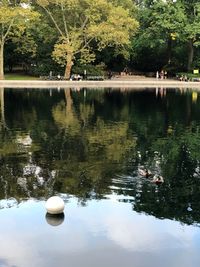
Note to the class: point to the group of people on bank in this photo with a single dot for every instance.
(161, 75)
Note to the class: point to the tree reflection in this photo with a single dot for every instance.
(101, 146)
(90, 144)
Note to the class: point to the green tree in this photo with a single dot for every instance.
(192, 28)
(14, 16)
(162, 23)
(81, 22)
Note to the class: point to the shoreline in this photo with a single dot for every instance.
(145, 83)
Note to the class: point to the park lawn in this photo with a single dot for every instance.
(19, 77)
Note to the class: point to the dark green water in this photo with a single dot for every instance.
(87, 146)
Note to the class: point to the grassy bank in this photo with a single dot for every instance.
(19, 77)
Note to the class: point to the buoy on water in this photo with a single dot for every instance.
(55, 205)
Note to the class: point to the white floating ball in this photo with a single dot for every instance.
(55, 205)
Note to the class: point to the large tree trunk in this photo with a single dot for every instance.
(169, 50)
(190, 55)
(68, 66)
(1, 60)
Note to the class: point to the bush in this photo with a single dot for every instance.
(91, 70)
(44, 68)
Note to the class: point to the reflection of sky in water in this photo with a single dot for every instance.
(104, 233)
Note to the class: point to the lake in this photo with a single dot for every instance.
(87, 146)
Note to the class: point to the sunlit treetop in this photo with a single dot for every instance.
(79, 22)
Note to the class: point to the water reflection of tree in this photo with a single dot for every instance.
(90, 144)
(63, 157)
(175, 139)
(21, 175)
(96, 150)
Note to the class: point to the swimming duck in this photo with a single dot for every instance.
(158, 179)
(146, 173)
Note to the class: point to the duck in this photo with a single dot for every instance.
(158, 179)
(146, 173)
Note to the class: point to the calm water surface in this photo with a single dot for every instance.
(87, 146)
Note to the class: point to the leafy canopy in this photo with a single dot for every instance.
(14, 17)
(81, 22)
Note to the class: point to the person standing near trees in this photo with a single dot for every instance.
(162, 74)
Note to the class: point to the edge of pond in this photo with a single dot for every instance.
(99, 84)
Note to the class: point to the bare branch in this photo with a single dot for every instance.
(85, 45)
(64, 21)
(2, 26)
(8, 30)
(54, 21)
(84, 23)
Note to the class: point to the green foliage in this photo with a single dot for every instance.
(97, 70)
(44, 67)
(14, 19)
(79, 22)
(161, 26)
(87, 31)
(166, 29)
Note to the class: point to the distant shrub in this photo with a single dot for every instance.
(44, 69)
(93, 70)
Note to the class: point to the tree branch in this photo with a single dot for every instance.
(84, 23)
(85, 45)
(54, 21)
(64, 22)
(8, 30)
